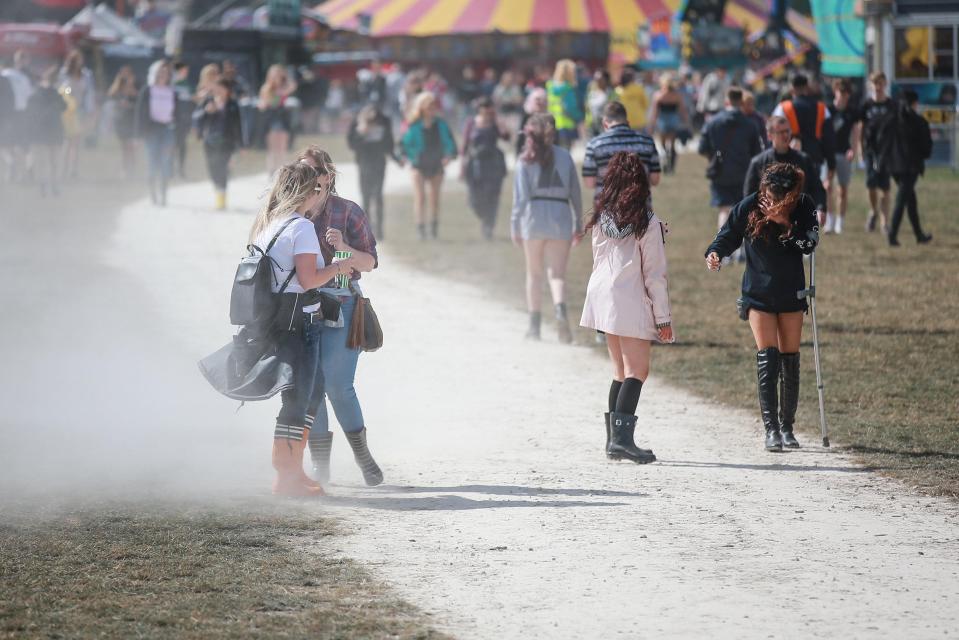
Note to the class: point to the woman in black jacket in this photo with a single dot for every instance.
(217, 122)
(371, 139)
(777, 225)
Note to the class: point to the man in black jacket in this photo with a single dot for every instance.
(779, 135)
(903, 144)
(729, 140)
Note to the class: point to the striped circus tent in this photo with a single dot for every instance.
(445, 17)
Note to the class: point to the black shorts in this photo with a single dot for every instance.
(876, 178)
(774, 306)
(724, 195)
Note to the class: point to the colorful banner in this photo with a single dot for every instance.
(842, 37)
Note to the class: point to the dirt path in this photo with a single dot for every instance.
(503, 518)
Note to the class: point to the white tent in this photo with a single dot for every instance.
(103, 24)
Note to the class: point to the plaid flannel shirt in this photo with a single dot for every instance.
(348, 217)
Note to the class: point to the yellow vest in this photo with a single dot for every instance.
(554, 104)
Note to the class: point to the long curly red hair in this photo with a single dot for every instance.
(780, 189)
(625, 194)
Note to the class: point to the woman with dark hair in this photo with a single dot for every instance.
(371, 139)
(777, 226)
(547, 219)
(123, 93)
(341, 226)
(627, 296)
(77, 88)
(45, 109)
(483, 165)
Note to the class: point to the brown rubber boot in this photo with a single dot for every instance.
(290, 479)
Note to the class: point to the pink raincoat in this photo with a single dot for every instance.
(627, 293)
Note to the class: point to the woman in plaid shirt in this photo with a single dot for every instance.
(341, 225)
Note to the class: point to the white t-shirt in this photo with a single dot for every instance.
(297, 238)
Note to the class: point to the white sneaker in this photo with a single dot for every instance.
(837, 227)
(828, 227)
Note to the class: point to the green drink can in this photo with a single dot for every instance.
(342, 280)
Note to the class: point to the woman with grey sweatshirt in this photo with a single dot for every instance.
(547, 219)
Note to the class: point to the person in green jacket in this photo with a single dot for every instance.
(563, 103)
(429, 146)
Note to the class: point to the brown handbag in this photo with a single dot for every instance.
(365, 331)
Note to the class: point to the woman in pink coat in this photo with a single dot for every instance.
(627, 297)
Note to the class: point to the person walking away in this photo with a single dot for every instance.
(483, 165)
(155, 123)
(631, 95)
(297, 263)
(7, 114)
(669, 117)
(730, 141)
(563, 104)
(777, 226)
(535, 103)
(123, 93)
(275, 118)
(371, 139)
(340, 225)
(20, 82)
(78, 91)
(627, 297)
(813, 130)
(45, 109)
(618, 136)
(598, 94)
(429, 146)
(219, 126)
(902, 143)
(547, 220)
(845, 119)
(712, 93)
(758, 118)
(185, 98)
(780, 151)
(878, 182)
(508, 99)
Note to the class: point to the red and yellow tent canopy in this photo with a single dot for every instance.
(444, 17)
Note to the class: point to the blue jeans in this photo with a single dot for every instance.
(306, 346)
(334, 379)
(160, 146)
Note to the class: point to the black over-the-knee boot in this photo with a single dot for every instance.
(767, 369)
(788, 397)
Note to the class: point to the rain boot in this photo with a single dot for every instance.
(621, 444)
(788, 397)
(288, 462)
(565, 335)
(372, 474)
(321, 446)
(767, 370)
(535, 320)
(220, 200)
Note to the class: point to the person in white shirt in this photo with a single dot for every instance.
(298, 266)
(22, 87)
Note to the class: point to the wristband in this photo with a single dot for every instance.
(662, 325)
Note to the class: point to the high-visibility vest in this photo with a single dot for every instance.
(554, 104)
(789, 109)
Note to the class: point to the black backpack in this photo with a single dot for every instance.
(252, 301)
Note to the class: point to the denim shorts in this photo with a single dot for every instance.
(724, 195)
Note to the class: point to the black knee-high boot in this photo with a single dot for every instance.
(767, 369)
(788, 397)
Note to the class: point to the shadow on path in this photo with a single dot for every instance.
(767, 467)
(510, 490)
(454, 503)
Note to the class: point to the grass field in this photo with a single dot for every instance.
(889, 318)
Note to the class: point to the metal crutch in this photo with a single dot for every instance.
(810, 293)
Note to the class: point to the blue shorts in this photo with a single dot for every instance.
(724, 195)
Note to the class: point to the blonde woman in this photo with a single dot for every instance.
(288, 237)
(275, 119)
(123, 93)
(206, 83)
(563, 104)
(429, 146)
(77, 89)
(669, 117)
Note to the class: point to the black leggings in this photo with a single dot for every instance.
(371, 191)
(905, 200)
(218, 165)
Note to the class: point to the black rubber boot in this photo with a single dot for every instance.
(622, 426)
(565, 335)
(788, 397)
(535, 321)
(767, 369)
(606, 416)
(321, 445)
(372, 474)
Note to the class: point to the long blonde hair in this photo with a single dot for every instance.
(565, 71)
(420, 104)
(209, 74)
(276, 82)
(295, 183)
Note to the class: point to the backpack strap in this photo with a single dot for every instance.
(789, 110)
(820, 119)
(277, 236)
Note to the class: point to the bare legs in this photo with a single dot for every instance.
(277, 142)
(426, 202)
(782, 331)
(879, 202)
(630, 357)
(545, 259)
